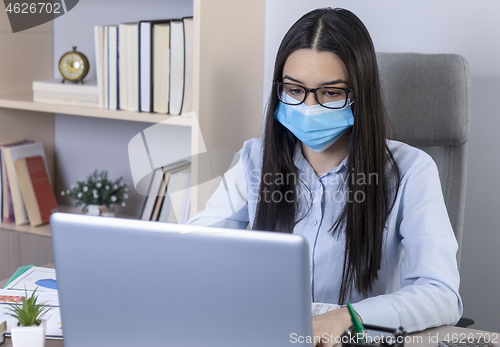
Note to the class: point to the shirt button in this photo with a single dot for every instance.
(319, 184)
(315, 222)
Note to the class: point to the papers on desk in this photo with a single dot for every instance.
(320, 308)
(42, 279)
(37, 277)
(14, 297)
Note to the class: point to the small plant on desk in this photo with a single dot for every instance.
(30, 330)
(98, 193)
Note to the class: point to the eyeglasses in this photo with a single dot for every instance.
(323, 95)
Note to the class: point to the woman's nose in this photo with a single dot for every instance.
(310, 100)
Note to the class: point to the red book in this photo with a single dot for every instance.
(36, 190)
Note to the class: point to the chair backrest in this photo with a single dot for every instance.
(427, 97)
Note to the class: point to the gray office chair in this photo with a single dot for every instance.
(427, 97)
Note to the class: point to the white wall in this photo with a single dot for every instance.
(471, 29)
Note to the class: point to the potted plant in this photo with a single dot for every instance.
(30, 329)
(98, 194)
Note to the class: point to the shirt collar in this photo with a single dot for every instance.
(302, 164)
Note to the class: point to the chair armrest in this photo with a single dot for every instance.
(464, 322)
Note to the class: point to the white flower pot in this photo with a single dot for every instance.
(33, 336)
(93, 210)
(101, 210)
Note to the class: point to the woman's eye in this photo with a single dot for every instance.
(330, 93)
(295, 91)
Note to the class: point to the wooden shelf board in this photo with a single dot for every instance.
(44, 230)
(24, 101)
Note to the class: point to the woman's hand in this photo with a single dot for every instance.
(327, 326)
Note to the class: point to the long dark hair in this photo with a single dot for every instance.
(338, 31)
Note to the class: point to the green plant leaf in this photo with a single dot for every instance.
(29, 312)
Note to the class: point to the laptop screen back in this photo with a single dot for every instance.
(139, 283)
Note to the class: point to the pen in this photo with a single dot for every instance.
(356, 322)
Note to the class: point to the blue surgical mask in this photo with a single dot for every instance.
(315, 126)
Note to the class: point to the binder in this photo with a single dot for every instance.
(18, 273)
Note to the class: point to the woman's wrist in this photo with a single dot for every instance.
(346, 317)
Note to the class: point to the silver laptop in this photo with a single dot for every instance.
(138, 283)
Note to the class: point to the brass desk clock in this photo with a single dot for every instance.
(73, 66)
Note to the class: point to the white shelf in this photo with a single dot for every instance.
(44, 230)
(24, 101)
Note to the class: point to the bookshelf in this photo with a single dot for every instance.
(228, 74)
(44, 230)
(24, 101)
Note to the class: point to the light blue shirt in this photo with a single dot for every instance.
(418, 280)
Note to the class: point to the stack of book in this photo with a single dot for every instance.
(169, 197)
(145, 66)
(26, 194)
(52, 91)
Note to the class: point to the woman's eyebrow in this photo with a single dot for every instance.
(337, 81)
(292, 79)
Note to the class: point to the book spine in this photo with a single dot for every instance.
(41, 189)
(135, 68)
(118, 99)
(98, 62)
(144, 66)
(85, 98)
(7, 207)
(129, 74)
(27, 192)
(105, 76)
(88, 88)
(123, 67)
(176, 88)
(20, 214)
(113, 67)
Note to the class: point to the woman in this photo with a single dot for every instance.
(371, 209)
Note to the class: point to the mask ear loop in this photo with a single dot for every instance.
(352, 102)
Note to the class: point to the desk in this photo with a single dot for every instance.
(440, 332)
(424, 336)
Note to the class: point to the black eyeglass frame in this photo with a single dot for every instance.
(312, 90)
